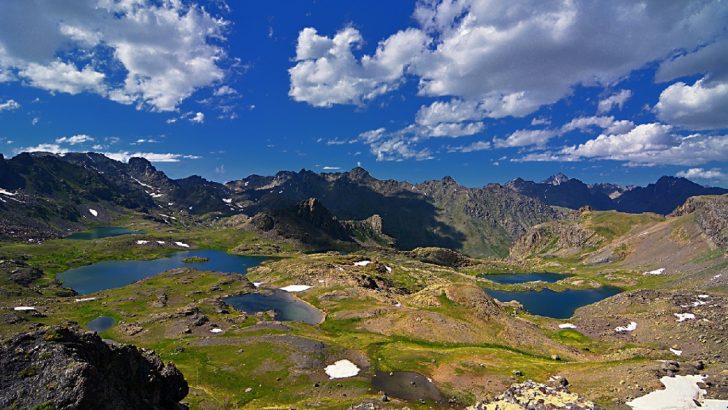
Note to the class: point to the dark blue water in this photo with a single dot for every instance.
(101, 324)
(102, 232)
(511, 278)
(560, 305)
(115, 274)
(286, 307)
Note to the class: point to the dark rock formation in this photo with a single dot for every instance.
(67, 368)
(440, 256)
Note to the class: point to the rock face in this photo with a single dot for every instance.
(711, 215)
(67, 368)
(535, 396)
(554, 237)
(440, 256)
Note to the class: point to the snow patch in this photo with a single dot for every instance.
(676, 352)
(142, 242)
(7, 193)
(93, 212)
(24, 308)
(567, 326)
(681, 392)
(80, 300)
(161, 242)
(389, 270)
(227, 200)
(362, 263)
(182, 244)
(216, 330)
(704, 296)
(630, 327)
(295, 288)
(656, 272)
(681, 317)
(257, 284)
(342, 369)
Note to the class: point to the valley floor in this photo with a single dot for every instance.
(387, 311)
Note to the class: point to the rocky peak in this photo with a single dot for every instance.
(141, 165)
(358, 174)
(556, 179)
(448, 180)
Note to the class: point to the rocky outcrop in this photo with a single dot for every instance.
(555, 237)
(711, 215)
(441, 256)
(67, 368)
(535, 396)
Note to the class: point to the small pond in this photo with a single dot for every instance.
(114, 274)
(409, 386)
(101, 324)
(559, 305)
(101, 232)
(286, 307)
(512, 278)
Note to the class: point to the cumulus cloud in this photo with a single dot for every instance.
(198, 118)
(328, 73)
(703, 105)
(644, 145)
(74, 140)
(614, 100)
(9, 105)
(714, 174)
(52, 148)
(153, 54)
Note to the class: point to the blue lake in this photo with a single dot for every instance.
(512, 278)
(114, 274)
(286, 307)
(559, 305)
(101, 232)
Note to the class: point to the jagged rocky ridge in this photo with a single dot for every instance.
(711, 215)
(662, 197)
(67, 368)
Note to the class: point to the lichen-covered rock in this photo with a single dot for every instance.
(553, 237)
(530, 395)
(68, 368)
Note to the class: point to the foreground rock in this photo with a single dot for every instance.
(65, 368)
(535, 396)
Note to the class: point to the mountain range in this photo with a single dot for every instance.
(45, 195)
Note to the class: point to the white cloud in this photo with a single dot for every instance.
(328, 73)
(475, 146)
(9, 105)
(330, 168)
(611, 125)
(704, 174)
(52, 148)
(124, 156)
(703, 105)
(614, 100)
(159, 53)
(644, 145)
(74, 140)
(224, 90)
(522, 138)
(198, 118)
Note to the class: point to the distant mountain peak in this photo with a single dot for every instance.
(141, 164)
(359, 173)
(449, 180)
(557, 179)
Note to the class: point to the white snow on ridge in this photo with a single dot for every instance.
(567, 326)
(7, 193)
(227, 200)
(362, 263)
(656, 272)
(93, 212)
(630, 327)
(681, 392)
(341, 369)
(295, 288)
(182, 244)
(681, 317)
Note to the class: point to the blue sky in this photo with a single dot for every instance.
(484, 91)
